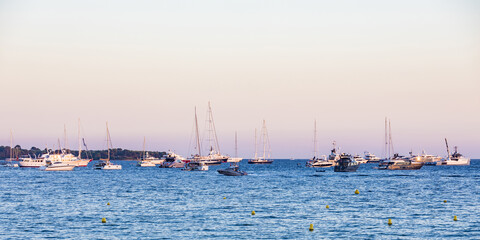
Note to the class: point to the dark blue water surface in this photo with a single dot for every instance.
(154, 203)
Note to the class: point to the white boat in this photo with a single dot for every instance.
(58, 166)
(214, 156)
(235, 159)
(371, 158)
(148, 161)
(28, 161)
(455, 159)
(359, 159)
(317, 162)
(396, 162)
(196, 166)
(172, 160)
(105, 164)
(265, 158)
(427, 159)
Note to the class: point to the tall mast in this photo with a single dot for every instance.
(236, 149)
(79, 141)
(65, 137)
(264, 135)
(255, 143)
(390, 138)
(212, 133)
(315, 139)
(196, 131)
(11, 144)
(108, 143)
(143, 147)
(387, 155)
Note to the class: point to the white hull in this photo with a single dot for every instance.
(146, 164)
(32, 164)
(234, 160)
(112, 167)
(456, 162)
(58, 167)
(320, 164)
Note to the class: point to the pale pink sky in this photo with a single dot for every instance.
(144, 65)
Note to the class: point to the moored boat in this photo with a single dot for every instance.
(455, 159)
(29, 162)
(58, 166)
(265, 158)
(105, 164)
(195, 166)
(346, 163)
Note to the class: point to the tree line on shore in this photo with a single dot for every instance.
(115, 154)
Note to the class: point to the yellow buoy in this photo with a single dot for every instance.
(224, 197)
(389, 221)
(444, 201)
(455, 218)
(327, 207)
(104, 220)
(108, 203)
(253, 212)
(311, 228)
(357, 192)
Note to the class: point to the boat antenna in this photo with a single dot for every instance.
(196, 131)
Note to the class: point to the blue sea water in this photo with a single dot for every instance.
(154, 203)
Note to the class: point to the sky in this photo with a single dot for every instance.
(144, 66)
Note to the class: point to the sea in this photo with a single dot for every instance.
(287, 197)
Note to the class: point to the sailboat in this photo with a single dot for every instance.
(456, 158)
(197, 162)
(105, 164)
(396, 162)
(214, 156)
(13, 154)
(316, 161)
(148, 161)
(264, 159)
(235, 159)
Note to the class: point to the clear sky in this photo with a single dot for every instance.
(144, 65)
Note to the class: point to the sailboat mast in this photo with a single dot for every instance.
(79, 142)
(196, 131)
(392, 150)
(236, 149)
(65, 138)
(264, 135)
(143, 147)
(108, 143)
(11, 144)
(315, 139)
(256, 143)
(387, 155)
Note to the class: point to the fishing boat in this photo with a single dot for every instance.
(105, 164)
(265, 158)
(57, 166)
(346, 163)
(371, 158)
(317, 162)
(396, 162)
(233, 170)
(455, 159)
(195, 166)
